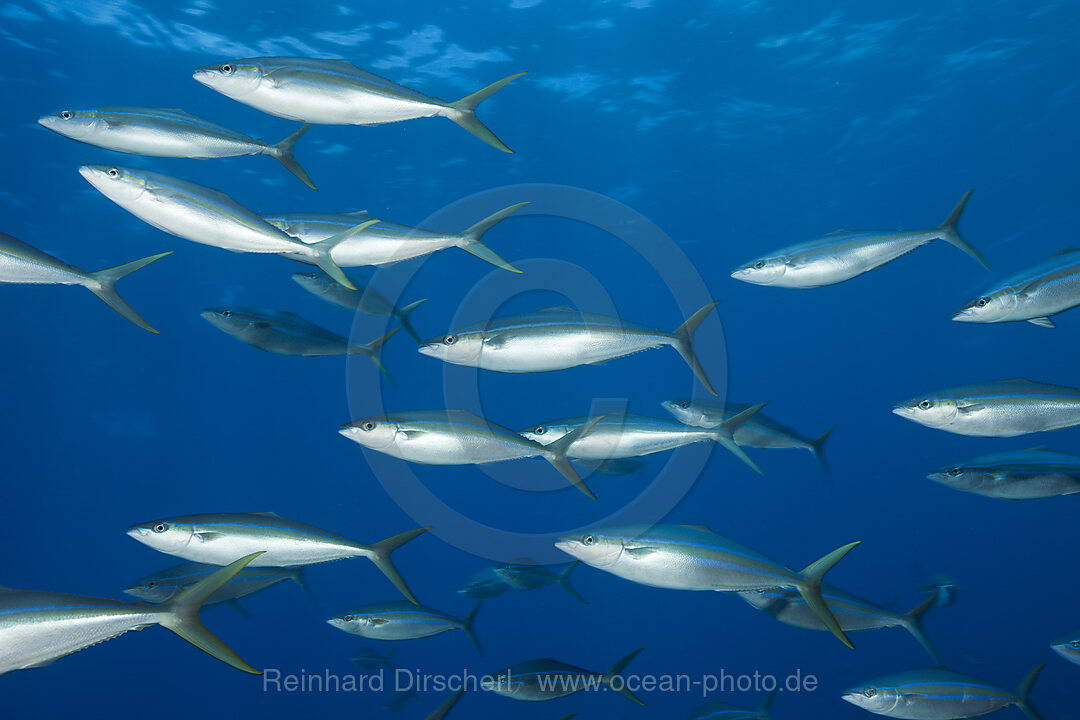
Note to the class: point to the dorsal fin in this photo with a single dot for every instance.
(359, 213)
(1065, 251)
(1018, 380)
(266, 514)
(559, 308)
(698, 527)
(836, 232)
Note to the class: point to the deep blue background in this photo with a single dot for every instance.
(736, 127)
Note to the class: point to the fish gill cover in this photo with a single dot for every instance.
(664, 150)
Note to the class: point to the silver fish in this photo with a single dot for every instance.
(622, 435)
(369, 659)
(484, 584)
(286, 333)
(851, 612)
(1017, 475)
(1005, 408)
(26, 265)
(207, 216)
(39, 627)
(760, 431)
(1068, 647)
(164, 132)
(166, 584)
(365, 299)
(939, 695)
(458, 437)
(386, 243)
(443, 710)
(843, 255)
(560, 338)
(404, 621)
(336, 92)
(213, 538)
(717, 710)
(550, 679)
(1033, 294)
(686, 557)
(533, 577)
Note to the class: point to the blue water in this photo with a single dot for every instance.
(723, 130)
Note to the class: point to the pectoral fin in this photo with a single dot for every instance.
(640, 552)
(1043, 322)
(208, 536)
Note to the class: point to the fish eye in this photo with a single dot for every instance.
(449, 340)
(1075, 644)
(869, 692)
(226, 69)
(66, 115)
(347, 618)
(684, 404)
(926, 404)
(150, 584)
(981, 302)
(160, 527)
(759, 264)
(226, 313)
(368, 426)
(112, 172)
(588, 540)
(540, 430)
(956, 471)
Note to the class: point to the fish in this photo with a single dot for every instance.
(213, 538)
(550, 679)
(166, 132)
(37, 627)
(369, 659)
(1068, 647)
(852, 613)
(23, 264)
(336, 92)
(286, 333)
(943, 588)
(533, 577)
(398, 700)
(458, 437)
(1015, 475)
(622, 435)
(621, 466)
(444, 709)
(365, 299)
(717, 710)
(209, 217)
(166, 584)
(404, 621)
(939, 694)
(559, 338)
(758, 431)
(484, 584)
(1032, 295)
(691, 557)
(844, 255)
(386, 243)
(1004, 408)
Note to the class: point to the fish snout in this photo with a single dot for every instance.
(138, 532)
(429, 349)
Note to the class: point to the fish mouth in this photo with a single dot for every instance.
(427, 348)
(566, 545)
(904, 411)
(137, 532)
(964, 315)
(852, 697)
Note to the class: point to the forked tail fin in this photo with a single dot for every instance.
(472, 238)
(323, 248)
(683, 342)
(913, 623)
(1025, 693)
(403, 316)
(810, 589)
(817, 449)
(555, 453)
(613, 677)
(724, 433)
(563, 578)
(951, 234)
(103, 284)
(181, 614)
(463, 112)
(468, 625)
(379, 553)
(283, 153)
